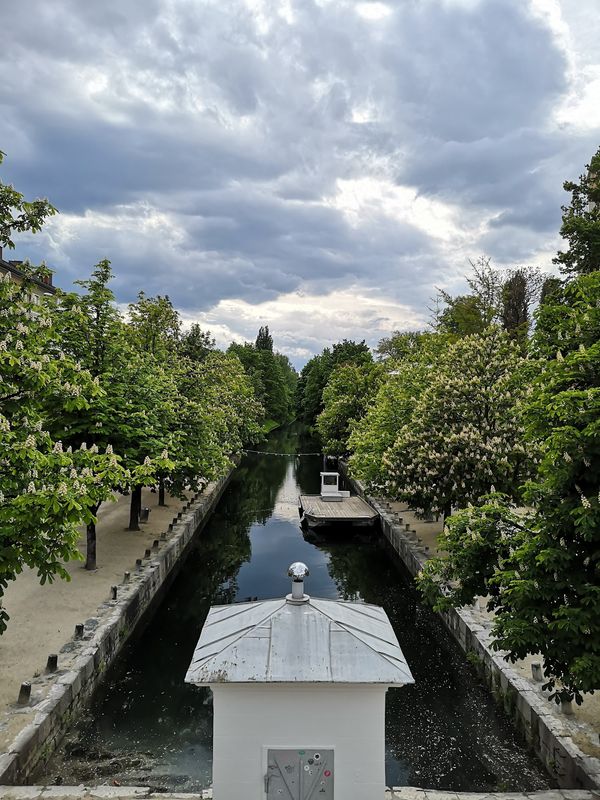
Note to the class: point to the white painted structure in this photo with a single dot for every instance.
(330, 487)
(303, 676)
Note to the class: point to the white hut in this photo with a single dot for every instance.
(299, 696)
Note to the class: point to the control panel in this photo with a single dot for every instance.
(304, 774)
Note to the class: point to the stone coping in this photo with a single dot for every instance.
(144, 793)
(58, 697)
(566, 746)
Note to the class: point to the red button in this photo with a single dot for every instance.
(327, 773)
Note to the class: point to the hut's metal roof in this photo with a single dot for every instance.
(319, 641)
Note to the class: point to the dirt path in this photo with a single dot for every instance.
(43, 618)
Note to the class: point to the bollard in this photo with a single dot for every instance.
(179, 515)
(170, 527)
(138, 564)
(536, 672)
(113, 591)
(79, 630)
(155, 544)
(148, 553)
(163, 536)
(52, 663)
(566, 707)
(407, 526)
(126, 576)
(24, 693)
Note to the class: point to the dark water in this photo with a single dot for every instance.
(147, 727)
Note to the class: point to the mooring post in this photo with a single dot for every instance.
(163, 535)
(52, 663)
(148, 553)
(155, 544)
(114, 591)
(536, 672)
(138, 564)
(126, 577)
(24, 693)
(79, 630)
(566, 707)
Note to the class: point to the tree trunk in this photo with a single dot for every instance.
(161, 491)
(90, 549)
(134, 508)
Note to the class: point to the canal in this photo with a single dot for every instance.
(146, 727)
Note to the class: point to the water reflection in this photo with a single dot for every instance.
(147, 727)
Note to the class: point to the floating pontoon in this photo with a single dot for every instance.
(334, 505)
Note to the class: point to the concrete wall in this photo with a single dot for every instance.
(248, 719)
(554, 740)
(57, 699)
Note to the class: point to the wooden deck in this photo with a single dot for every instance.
(352, 510)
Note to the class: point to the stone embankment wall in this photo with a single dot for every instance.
(550, 734)
(57, 698)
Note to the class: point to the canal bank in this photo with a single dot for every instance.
(61, 692)
(568, 748)
(145, 727)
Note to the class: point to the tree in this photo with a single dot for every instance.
(18, 215)
(133, 413)
(520, 290)
(392, 408)
(316, 373)
(264, 340)
(46, 490)
(540, 569)
(155, 325)
(581, 223)
(272, 375)
(465, 434)
(346, 397)
(467, 314)
(195, 343)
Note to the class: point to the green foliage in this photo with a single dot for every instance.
(155, 325)
(18, 215)
(466, 434)
(46, 490)
(581, 223)
(316, 373)
(272, 376)
(264, 340)
(346, 398)
(542, 569)
(195, 343)
(394, 404)
(474, 541)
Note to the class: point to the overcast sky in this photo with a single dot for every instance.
(315, 165)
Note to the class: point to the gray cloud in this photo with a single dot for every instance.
(201, 145)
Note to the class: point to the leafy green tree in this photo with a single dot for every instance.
(18, 215)
(155, 325)
(46, 490)
(134, 414)
(465, 434)
(520, 290)
(195, 343)
(264, 340)
(346, 398)
(316, 373)
(465, 315)
(392, 408)
(272, 375)
(581, 223)
(540, 569)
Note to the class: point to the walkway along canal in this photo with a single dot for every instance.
(146, 727)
